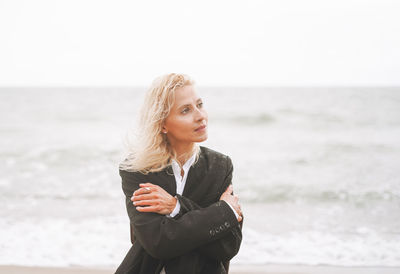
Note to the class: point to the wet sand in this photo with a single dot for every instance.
(235, 269)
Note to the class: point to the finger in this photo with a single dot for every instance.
(229, 189)
(139, 193)
(143, 190)
(144, 197)
(240, 218)
(147, 209)
(147, 185)
(144, 203)
(150, 186)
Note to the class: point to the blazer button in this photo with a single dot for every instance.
(227, 224)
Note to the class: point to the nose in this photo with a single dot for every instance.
(201, 114)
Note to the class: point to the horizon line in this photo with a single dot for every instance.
(199, 86)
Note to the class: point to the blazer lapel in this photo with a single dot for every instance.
(168, 180)
(194, 177)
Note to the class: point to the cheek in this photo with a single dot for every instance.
(180, 125)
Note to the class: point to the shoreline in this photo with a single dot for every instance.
(234, 269)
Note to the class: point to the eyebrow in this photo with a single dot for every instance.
(186, 105)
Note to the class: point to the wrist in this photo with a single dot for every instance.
(176, 209)
(173, 204)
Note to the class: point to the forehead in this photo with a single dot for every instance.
(185, 95)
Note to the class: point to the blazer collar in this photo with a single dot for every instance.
(196, 171)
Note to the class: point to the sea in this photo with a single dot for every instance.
(317, 171)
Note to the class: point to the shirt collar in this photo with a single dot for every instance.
(186, 166)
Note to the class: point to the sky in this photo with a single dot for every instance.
(218, 43)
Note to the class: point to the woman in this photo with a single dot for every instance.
(179, 197)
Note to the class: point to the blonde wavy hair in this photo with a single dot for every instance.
(150, 150)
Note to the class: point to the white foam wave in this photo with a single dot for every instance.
(319, 248)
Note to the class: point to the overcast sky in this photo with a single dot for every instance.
(128, 43)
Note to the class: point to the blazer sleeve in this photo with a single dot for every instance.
(225, 248)
(163, 237)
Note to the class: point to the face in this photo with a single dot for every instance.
(187, 120)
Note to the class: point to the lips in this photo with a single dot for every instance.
(200, 128)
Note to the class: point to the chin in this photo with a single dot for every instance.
(202, 138)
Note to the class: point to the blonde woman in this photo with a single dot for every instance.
(179, 196)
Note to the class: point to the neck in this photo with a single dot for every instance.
(183, 152)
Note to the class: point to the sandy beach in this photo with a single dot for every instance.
(235, 269)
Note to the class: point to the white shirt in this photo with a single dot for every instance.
(180, 185)
(180, 181)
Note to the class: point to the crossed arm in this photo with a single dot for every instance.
(214, 230)
(223, 249)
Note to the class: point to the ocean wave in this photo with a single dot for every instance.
(283, 194)
(104, 241)
(259, 119)
(255, 196)
(319, 248)
(324, 179)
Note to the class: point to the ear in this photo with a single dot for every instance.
(164, 130)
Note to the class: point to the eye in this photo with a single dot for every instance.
(185, 110)
(200, 105)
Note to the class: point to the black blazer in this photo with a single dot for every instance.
(205, 234)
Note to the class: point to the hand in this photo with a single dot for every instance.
(153, 198)
(233, 200)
